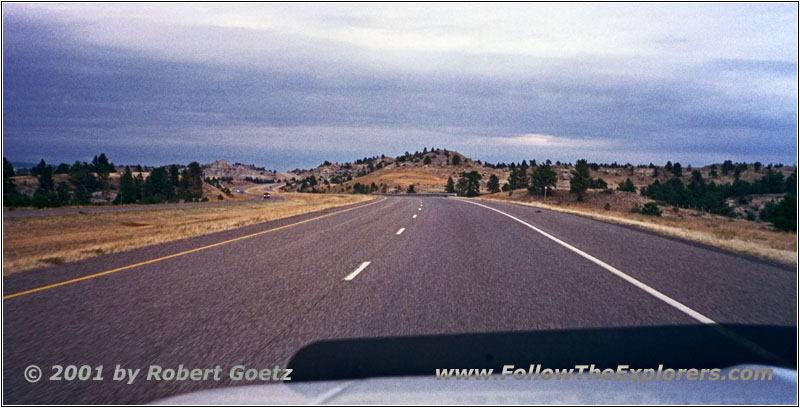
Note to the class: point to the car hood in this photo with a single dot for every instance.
(428, 390)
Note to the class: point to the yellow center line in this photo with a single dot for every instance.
(110, 271)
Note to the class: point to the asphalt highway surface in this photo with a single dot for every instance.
(394, 266)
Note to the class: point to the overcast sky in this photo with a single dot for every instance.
(292, 85)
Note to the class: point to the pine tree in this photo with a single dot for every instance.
(11, 196)
(138, 184)
(174, 175)
(542, 176)
(62, 193)
(37, 170)
(450, 187)
(62, 168)
(522, 175)
(677, 171)
(101, 166)
(195, 174)
(512, 177)
(8, 169)
(494, 184)
(579, 182)
(45, 177)
(127, 188)
(727, 166)
(83, 182)
(627, 185)
(469, 184)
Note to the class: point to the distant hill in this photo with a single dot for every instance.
(23, 165)
(221, 169)
(427, 171)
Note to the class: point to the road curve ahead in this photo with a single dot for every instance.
(396, 266)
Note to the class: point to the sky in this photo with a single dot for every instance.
(291, 85)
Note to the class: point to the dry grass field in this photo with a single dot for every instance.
(425, 178)
(733, 234)
(34, 242)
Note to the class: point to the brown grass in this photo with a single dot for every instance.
(422, 177)
(737, 235)
(428, 178)
(257, 190)
(34, 242)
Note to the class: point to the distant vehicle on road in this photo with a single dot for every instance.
(266, 195)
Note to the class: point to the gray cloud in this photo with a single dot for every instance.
(288, 99)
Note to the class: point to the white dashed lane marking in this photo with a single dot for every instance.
(357, 271)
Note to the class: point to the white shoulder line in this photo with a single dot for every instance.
(641, 285)
(672, 302)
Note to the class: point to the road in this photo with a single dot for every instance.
(395, 266)
(143, 207)
(257, 190)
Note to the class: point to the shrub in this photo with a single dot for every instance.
(359, 188)
(607, 206)
(40, 200)
(783, 215)
(627, 185)
(598, 183)
(651, 208)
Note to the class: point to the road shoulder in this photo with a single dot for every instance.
(754, 251)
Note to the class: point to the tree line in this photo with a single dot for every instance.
(167, 183)
(163, 184)
(698, 193)
(713, 198)
(84, 178)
